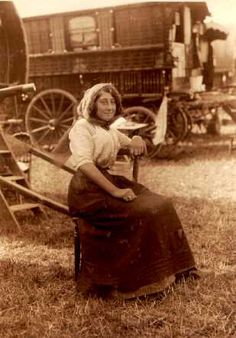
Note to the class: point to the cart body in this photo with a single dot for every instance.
(129, 45)
(14, 63)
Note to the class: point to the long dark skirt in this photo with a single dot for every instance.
(127, 245)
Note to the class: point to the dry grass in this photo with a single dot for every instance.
(38, 297)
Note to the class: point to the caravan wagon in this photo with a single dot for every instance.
(141, 48)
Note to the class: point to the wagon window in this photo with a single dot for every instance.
(82, 32)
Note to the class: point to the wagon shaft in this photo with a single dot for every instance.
(17, 90)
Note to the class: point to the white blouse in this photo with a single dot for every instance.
(93, 144)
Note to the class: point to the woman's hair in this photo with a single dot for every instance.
(114, 93)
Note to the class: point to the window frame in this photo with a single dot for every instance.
(83, 45)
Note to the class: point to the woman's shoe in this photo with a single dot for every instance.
(193, 274)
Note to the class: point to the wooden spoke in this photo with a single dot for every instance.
(64, 113)
(64, 126)
(60, 106)
(39, 129)
(53, 105)
(48, 110)
(45, 134)
(70, 120)
(35, 119)
(41, 112)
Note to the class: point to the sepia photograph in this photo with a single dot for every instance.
(117, 169)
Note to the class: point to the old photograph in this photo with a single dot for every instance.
(117, 169)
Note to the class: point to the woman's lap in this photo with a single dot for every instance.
(131, 244)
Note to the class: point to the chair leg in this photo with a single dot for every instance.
(76, 251)
(135, 168)
(232, 145)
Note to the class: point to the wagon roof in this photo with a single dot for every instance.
(200, 9)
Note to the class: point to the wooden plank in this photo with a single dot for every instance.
(51, 159)
(10, 159)
(106, 31)
(5, 152)
(12, 174)
(7, 218)
(36, 196)
(57, 31)
(23, 206)
(14, 178)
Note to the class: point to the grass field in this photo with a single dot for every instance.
(38, 297)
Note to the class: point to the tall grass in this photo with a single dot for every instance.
(38, 297)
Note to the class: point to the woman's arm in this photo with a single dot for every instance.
(92, 172)
(137, 146)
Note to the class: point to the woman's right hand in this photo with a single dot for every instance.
(125, 194)
(91, 171)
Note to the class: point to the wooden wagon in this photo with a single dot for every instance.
(136, 47)
(14, 67)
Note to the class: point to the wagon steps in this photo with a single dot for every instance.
(16, 194)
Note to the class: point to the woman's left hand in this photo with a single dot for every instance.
(137, 146)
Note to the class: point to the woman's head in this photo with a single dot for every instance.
(101, 101)
(104, 107)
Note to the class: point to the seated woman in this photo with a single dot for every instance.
(133, 242)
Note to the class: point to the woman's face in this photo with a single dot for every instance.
(105, 107)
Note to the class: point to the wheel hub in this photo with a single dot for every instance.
(52, 124)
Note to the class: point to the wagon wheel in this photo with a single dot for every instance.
(141, 114)
(177, 130)
(48, 116)
(189, 122)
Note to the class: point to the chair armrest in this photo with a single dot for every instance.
(135, 159)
